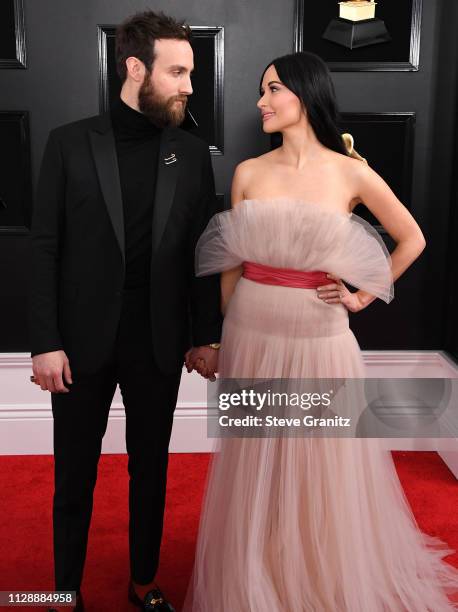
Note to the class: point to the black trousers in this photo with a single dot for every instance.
(80, 422)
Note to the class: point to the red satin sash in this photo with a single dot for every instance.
(285, 277)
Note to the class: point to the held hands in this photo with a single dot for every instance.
(204, 360)
(337, 292)
(48, 369)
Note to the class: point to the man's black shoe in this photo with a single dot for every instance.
(154, 600)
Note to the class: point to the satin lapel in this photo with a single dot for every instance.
(106, 161)
(167, 174)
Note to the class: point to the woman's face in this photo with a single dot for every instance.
(280, 107)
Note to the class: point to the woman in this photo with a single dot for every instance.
(307, 524)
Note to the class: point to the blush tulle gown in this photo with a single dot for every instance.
(305, 524)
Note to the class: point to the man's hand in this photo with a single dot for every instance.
(204, 360)
(48, 369)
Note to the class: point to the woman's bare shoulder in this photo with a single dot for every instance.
(350, 164)
(247, 170)
(253, 164)
(351, 170)
(247, 173)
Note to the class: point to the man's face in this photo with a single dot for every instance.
(163, 94)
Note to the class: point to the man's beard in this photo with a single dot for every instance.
(161, 111)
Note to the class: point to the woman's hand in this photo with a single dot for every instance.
(337, 293)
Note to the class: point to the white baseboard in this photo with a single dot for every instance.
(26, 419)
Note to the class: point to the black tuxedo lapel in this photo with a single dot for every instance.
(168, 169)
(106, 161)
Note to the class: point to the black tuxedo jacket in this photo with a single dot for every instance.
(78, 258)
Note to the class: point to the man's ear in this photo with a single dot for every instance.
(135, 69)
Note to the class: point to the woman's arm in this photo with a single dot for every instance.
(230, 278)
(394, 217)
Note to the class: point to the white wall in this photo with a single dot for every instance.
(26, 419)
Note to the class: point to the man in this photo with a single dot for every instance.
(122, 200)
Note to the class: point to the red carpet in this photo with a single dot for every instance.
(26, 537)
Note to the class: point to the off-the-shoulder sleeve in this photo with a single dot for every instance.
(363, 261)
(219, 247)
(289, 234)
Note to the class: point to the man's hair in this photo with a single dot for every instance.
(135, 37)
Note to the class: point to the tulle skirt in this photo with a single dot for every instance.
(307, 524)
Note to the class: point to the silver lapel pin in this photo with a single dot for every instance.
(170, 160)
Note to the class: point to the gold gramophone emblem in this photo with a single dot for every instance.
(357, 10)
(357, 26)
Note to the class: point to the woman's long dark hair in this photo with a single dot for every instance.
(308, 77)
